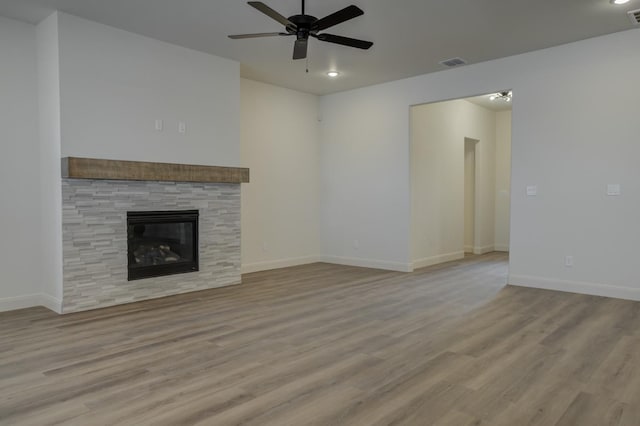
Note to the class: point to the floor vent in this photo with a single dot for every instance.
(634, 15)
(453, 62)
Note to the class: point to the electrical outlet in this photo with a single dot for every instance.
(182, 127)
(568, 261)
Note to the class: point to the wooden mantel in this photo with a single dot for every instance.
(91, 168)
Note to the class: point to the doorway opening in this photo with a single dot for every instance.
(460, 178)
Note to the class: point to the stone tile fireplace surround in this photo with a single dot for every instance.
(94, 231)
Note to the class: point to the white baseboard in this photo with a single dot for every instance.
(595, 289)
(434, 260)
(483, 250)
(500, 247)
(281, 263)
(468, 249)
(19, 302)
(348, 261)
(368, 263)
(51, 303)
(29, 301)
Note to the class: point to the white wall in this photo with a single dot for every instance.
(365, 177)
(72, 87)
(438, 133)
(115, 84)
(280, 206)
(503, 179)
(20, 225)
(48, 84)
(571, 146)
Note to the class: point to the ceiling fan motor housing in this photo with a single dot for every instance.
(304, 24)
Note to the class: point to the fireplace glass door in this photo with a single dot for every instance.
(162, 243)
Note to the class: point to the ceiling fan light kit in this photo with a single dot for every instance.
(304, 26)
(502, 96)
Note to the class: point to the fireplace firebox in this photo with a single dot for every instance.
(162, 243)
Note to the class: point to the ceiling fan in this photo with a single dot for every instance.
(304, 26)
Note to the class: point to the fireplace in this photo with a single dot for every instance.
(161, 243)
(103, 201)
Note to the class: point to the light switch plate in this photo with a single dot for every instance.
(182, 127)
(532, 190)
(613, 189)
(159, 125)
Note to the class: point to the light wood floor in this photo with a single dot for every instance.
(331, 345)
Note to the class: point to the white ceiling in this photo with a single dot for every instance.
(410, 36)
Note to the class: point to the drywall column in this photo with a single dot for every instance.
(469, 194)
(503, 180)
(50, 140)
(20, 204)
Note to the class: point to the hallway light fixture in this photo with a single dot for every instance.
(503, 96)
(619, 1)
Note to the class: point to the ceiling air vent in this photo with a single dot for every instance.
(453, 62)
(634, 15)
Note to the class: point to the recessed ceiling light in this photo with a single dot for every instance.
(619, 1)
(333, 74)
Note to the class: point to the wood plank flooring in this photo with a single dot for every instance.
(331, 345)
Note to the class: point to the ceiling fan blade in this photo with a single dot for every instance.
(345, 41)
(272, 13)
(336, 18)
(238, 36)
(300, 48)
